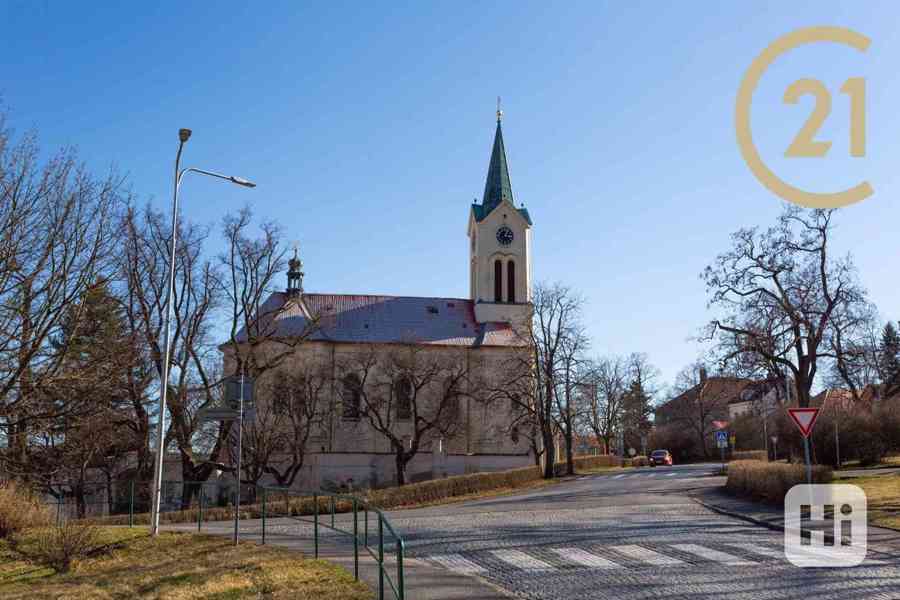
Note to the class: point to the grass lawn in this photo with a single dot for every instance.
(176, 566)
(883, 494)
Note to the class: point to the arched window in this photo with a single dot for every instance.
(403, 397)
(498, 281)
(351, 396)
(289, 396)
(511, 281)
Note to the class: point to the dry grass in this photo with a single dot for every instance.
(175, 566)
(62, 546)
(883, 497)
(19, 509)
(770, 482)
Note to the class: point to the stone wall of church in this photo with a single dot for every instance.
(349, 453)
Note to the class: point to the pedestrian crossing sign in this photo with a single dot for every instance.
(722, 439)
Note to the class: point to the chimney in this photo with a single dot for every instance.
(702, 375)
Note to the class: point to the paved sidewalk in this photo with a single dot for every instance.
(717, 499)
(422, 580)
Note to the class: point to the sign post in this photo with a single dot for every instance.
(722, 443)
(805, 419)
(239, 403)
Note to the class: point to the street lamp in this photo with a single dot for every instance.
(183, 136)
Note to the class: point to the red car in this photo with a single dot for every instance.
(660, 457)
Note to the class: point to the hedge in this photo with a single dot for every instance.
(279, 504)
(749, 455)
(770, 481)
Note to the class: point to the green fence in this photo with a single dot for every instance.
(128, 502)
(370, 530)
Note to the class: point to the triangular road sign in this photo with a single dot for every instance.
(804, 418)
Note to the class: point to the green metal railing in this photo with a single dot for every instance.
(183, 501)
(384, 536)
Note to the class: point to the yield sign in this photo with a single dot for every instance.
(804, 418)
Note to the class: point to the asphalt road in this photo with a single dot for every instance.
(627, 535)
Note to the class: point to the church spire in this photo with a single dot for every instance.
(497, 187)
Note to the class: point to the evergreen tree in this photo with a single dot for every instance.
(889, 359)
(98, 357)
(636, 410)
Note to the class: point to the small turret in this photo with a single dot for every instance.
(295, 275)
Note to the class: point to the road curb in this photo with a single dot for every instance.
(737, 515)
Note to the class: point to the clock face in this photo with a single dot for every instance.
(505, 236)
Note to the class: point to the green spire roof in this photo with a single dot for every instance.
(497, 187)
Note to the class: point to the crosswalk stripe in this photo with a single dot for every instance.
(714, 555)
(646, 555)
(457, 563)
(522, 561)
(585, 558)
(671, 474)
(759, 549)
(618, 476)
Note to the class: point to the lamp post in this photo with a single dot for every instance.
(183, 136)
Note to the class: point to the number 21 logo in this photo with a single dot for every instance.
(804, 144)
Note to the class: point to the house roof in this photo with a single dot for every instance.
(355, 318)
(833, 398)
(730, 390)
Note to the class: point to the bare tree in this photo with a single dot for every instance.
(295, 407)
(700, 403)
(531, 379)
(193, 380)
(568, 374)
(251, 269)
(607, 378)
(782, 294)
(408, 395)
(56, 240)
(853, 346)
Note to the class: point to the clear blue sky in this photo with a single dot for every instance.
(368, 128)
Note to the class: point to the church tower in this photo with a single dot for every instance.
(499, 246)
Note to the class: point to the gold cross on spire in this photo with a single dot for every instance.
(499, 111)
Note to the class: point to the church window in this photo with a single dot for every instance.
(289, 397)
(351, 396)
(403, 398)
(498, 281)
(511, 281)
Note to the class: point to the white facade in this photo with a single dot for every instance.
(491, 261)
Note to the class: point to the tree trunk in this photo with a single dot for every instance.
(570, 458)
(549, 454)
(401, 461)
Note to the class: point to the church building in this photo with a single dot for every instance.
(481, 333)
